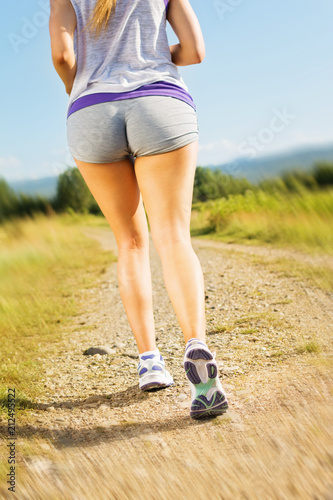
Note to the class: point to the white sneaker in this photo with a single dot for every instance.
(208, 398)
(152, 372)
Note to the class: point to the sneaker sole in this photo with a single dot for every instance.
(202, 407)
(151, 383)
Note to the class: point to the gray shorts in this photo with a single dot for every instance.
(141, 126)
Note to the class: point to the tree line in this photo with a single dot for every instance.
(72, 193)
(213, 184)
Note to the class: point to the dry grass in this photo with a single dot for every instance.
(44, 265)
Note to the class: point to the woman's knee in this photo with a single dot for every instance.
(168, 238)
(132, 241)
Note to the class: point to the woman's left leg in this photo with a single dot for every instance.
(115, 189)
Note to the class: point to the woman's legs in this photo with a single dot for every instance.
(166, 184)
(114, 187)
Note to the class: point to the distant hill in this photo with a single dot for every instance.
(254, 170)
(45, 186)
(274, 165)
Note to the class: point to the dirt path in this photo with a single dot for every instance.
(96, 436)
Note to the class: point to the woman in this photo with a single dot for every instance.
(132, 130)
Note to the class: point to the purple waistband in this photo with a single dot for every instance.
(166, 5)
(157, 88)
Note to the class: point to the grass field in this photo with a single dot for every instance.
(46, 266)
(45, 263)
(272, 333)
(302, 220)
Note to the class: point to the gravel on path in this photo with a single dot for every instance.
(95, 435)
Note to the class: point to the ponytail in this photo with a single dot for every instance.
(100, 17)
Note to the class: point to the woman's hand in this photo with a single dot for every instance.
(62, 26)
(185, 24)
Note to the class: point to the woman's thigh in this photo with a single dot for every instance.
(115, 189)
(166, 184)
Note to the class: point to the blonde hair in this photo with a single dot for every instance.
(100, 16)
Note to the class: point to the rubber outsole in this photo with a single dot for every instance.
(199, 354)
(201, 406)
(192, 374)
(153, 385)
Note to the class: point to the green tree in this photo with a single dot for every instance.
(205, 187)
(72, 192)
(295, 179)
(276, 184)
(212, 184)
(323, 173)
(30, 205)
(237, 185)
(8, 201)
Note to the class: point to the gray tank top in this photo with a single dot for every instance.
(132, 52)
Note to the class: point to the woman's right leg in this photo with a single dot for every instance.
(166, 183)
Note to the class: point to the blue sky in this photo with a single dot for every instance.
(265, 84)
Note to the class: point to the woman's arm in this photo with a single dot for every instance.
(185, 24)
(62, 27)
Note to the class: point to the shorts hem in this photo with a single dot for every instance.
(171, 148)
(102, 162)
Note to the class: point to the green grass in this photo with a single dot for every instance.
(309, 347)
(254, 318)
(303, 220)
(218, 329)
(248, 331)
(248, 325)
(277, 354)
(320, 276)
(45, 265)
